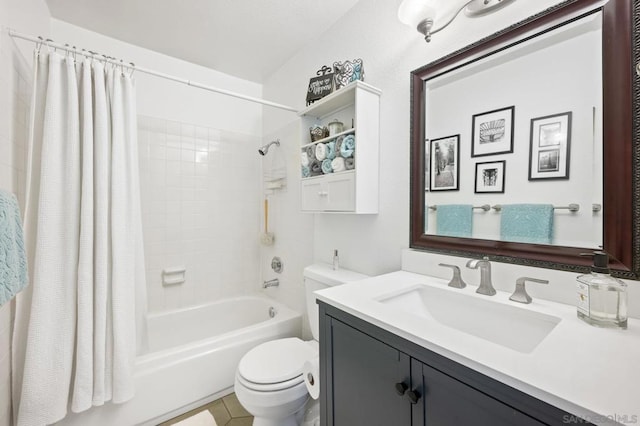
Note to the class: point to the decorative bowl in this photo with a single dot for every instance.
(318, 132)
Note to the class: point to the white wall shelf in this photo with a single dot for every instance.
(352, 191)
(330, 138)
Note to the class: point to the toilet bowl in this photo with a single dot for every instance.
(269, 382)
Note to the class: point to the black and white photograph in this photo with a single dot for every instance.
(445, 158)
(549, 149)
(490, 177)
(548, 160)
(550, 134)
(492, 132)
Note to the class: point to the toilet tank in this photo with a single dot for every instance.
(317, 277)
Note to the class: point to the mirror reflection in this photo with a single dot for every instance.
(513, 142)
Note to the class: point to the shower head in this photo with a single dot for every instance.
(264, 149)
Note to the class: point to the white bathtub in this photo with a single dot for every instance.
(193, 357)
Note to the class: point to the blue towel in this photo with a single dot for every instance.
(454, 220)
(13, 261)
(527, 223)
(348, 146)
(326, 166)
(331, 150)
(306, 171)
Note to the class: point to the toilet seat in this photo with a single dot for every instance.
(275, 365)
(270, 387)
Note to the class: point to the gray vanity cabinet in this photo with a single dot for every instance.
(371, 377)
(447, 401)
(364, 386)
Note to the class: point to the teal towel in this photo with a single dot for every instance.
(348, 146)
(306, 171)
(326, 166)
(454, 220)
(13, 261)
(527, 223)
(331, 150)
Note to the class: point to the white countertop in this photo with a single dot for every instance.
(587, 371)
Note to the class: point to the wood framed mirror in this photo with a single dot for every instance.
(617, 117)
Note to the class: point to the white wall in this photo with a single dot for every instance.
(200, 174)
(390, 51)
(293, 230)
(15, 91)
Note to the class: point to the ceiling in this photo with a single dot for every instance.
(249, 39)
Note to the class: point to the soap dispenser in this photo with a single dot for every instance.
(602, 299)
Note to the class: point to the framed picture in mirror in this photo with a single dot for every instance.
(492, 132)
(549, 148)
(490, 177)
(444, 163)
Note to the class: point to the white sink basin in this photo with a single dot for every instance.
(510, 326)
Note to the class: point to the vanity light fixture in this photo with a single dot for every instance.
(432, 16)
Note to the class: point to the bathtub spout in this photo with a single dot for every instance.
(271, 283)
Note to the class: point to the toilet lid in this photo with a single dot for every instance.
(276, 361)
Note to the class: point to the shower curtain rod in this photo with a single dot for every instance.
(132, 66)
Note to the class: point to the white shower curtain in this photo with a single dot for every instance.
(81, 321)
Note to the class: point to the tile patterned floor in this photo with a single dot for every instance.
(226, 411)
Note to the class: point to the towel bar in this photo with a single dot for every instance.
(571, 207)
(485, 207)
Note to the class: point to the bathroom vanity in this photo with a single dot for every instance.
(405, 349)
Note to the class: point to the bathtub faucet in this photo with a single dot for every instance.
(271, 283)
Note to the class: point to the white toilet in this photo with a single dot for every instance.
(269, 382)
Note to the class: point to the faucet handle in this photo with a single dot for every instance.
(520, 295)
(456, 280)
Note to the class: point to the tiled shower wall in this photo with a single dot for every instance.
(15, 94)
(200, 201)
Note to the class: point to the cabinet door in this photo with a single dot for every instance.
(341, 192)
(363, 375)
(314, 195)
(446, 401)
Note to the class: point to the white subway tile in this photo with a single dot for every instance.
(193, 211)
(188, 154)
(173, 153)
(173, 128)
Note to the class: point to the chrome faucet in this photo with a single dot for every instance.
(271, 283)
(485, 287)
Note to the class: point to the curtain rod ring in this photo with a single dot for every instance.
(39, 45)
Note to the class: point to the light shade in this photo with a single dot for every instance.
(412, 12)
(431, 16)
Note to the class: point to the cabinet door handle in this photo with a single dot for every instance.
(401, 388)
(414, 396)
(323, 193)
